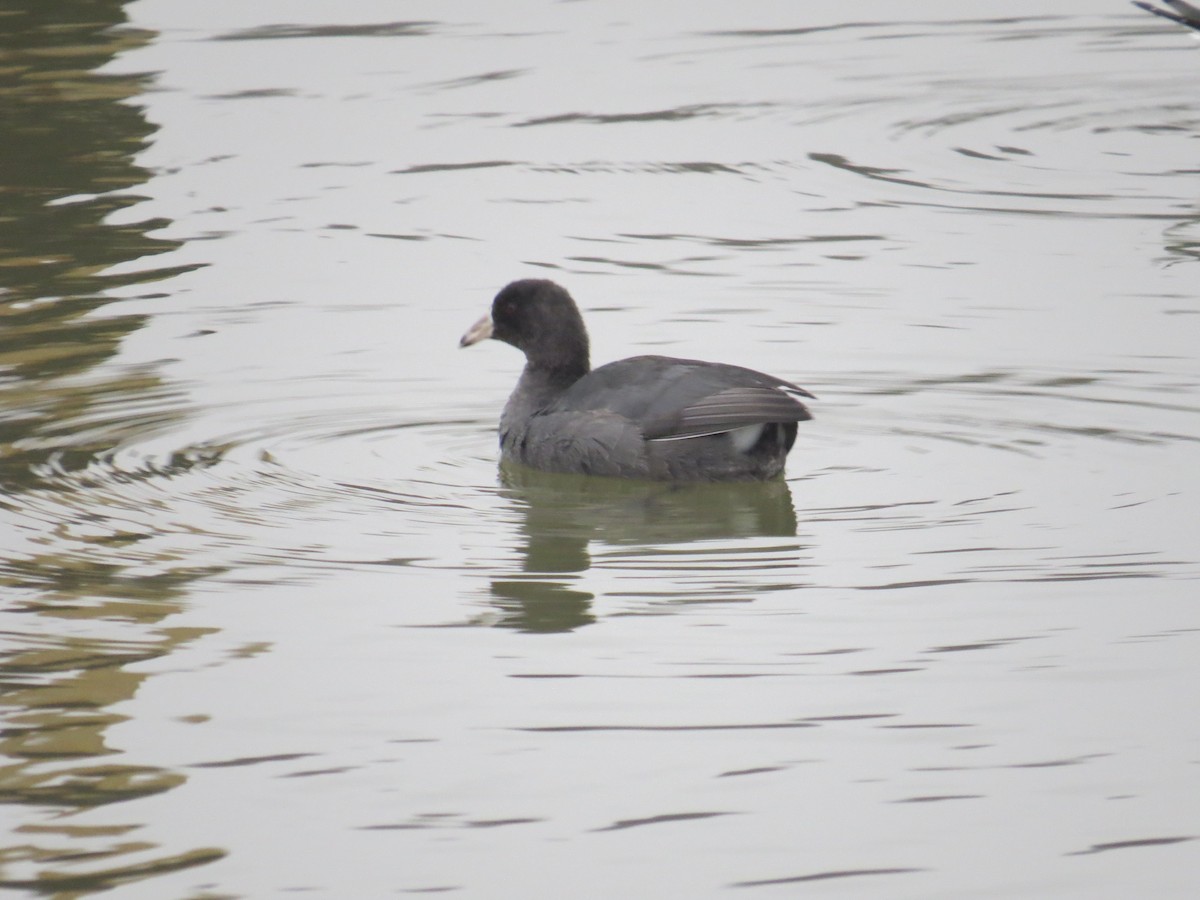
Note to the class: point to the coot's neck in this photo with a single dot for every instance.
(538, 387)
(553, 365)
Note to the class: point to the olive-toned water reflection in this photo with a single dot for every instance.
(66, 165)
(77, 612)
(57, 697)
(565, 514)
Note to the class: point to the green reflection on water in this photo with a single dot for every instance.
(69, 142)
(67, 164)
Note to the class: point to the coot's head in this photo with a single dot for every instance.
(541, 320)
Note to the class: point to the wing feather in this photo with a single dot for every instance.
(726, 410)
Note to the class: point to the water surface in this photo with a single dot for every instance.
(273, 619)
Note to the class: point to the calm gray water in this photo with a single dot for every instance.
(273, 622)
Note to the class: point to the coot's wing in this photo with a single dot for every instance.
(680, 398)
(724, 411)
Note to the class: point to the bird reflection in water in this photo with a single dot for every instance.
(564, 515)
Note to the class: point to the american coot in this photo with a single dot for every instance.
(645, 417)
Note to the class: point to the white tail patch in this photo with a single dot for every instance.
(745, 437)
